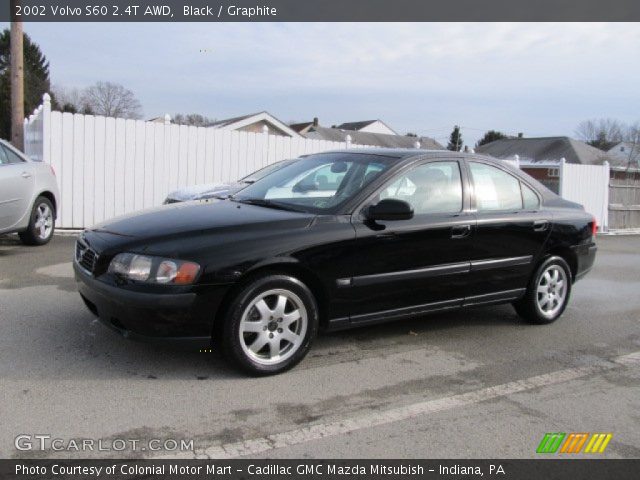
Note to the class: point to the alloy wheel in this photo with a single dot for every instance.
(44, 221)
(551, 290)
(273, 326)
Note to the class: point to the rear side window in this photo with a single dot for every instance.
(529, 198)
(11, 157)
(495, 189)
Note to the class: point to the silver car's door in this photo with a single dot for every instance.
(16, 188)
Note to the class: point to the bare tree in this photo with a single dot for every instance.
(71, 99)
(112, 100)
(632, 142)
(193, 119)
(602, 133)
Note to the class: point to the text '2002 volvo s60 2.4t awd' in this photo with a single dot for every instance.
(332, 241)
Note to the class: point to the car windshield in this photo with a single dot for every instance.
(316, 184)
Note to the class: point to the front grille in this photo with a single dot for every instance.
(86, 256)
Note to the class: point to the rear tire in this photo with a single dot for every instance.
(270, 325)
(548, 292)
(41, 223)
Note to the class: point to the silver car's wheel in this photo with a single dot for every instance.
(551, 291)
(41, 223)
(273, 326)
(44, 221)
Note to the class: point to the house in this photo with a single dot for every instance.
(261, 122)
(541, 157)
(368, 126)
(370, 139)
(304, 127)
(627, 153)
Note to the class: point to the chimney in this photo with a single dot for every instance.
(520, 135)
(315, 121)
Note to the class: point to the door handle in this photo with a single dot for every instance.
(25, 175)
(460, 231)
(540, 225)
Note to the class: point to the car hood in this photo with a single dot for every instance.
(196, 192)
(191, 219)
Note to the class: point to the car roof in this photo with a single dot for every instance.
(404, 153)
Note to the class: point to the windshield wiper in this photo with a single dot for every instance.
(261, 202)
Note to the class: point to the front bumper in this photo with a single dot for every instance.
(184, 318)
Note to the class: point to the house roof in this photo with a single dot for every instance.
(301, 127)
(360, 125)
(546, 150)
(243, 121)
(372, 139)
(627, 152)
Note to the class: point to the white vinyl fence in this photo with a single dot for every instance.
(589, 186)
(112, 166)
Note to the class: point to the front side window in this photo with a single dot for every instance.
(495, 189)
(317, 184)
(431, 188)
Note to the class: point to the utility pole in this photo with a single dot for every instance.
(17, 79)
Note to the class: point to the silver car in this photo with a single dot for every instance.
(28, 196)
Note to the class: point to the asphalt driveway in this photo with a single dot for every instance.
(463, 384)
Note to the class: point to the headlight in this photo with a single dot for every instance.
(143, 268)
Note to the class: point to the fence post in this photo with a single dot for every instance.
(348, 140)
(416, 145)
(605, 214)
(167, 119)
(265, 132)
(46, 128)
(516, 159)
(561, 175)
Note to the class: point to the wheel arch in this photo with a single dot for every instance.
(568, 255)
(283, 266)
(51, 197)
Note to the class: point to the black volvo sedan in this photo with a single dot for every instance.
(336, 240)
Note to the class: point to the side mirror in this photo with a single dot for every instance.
(390, 209)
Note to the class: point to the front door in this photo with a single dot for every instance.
(409, 266)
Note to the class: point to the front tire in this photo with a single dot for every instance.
(548, 292)
(41, 223)
(270, 325)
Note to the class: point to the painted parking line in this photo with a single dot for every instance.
(319, 431)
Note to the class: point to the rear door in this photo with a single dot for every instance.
(16, 187)
(409, 266)
(511, 232)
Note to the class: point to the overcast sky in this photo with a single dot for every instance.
(540, 79)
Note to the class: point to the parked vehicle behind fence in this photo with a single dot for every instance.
(221, 190)
(28, 196)
(336, 240)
